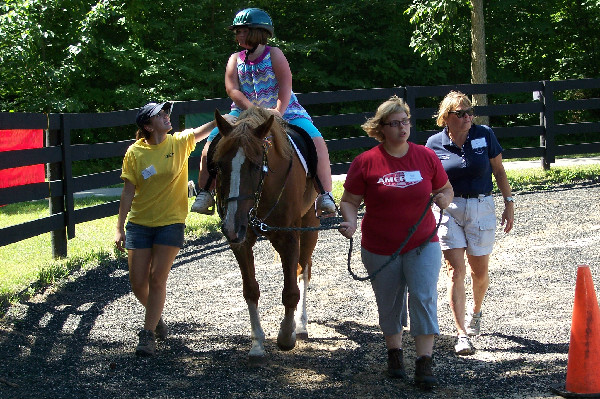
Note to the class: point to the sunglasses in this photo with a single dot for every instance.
(394, 123)
(462, 112)
(162, 114)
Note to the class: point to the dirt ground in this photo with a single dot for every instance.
(77, 340)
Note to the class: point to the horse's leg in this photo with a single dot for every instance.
(245, 257)
(308, 241)
(287, 245)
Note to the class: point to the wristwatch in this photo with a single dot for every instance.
(509, 199)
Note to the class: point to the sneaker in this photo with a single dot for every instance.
(463, 346)
(204, 203)
(473, 322)
(147, 344)
(325, 203)
(192, 189)
(424, 373)
(162, 330)
(396, 364)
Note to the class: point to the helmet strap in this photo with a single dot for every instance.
(250, 51)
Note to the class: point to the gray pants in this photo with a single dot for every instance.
(416, 272)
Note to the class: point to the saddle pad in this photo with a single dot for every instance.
(305, 148)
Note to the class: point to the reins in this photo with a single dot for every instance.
(395, 255)
(260, 227)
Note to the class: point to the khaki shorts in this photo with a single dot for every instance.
(469, 223)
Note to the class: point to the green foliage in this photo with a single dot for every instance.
(537, 40)
(105, 55)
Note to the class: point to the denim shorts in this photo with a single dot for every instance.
(139, 237)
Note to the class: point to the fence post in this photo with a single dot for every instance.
(56, 202)
(547, 122)
(411, 100)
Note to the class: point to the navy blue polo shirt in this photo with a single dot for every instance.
(468, 168)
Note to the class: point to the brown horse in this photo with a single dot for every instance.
(261, 187)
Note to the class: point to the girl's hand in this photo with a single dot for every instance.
(120, 240)
(275, 112)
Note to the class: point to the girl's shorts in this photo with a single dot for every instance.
(139, 237)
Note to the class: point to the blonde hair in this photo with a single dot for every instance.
(392, 106)
(452, 101)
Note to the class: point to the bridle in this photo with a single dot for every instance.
(258, 225)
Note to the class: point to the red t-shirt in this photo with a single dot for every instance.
(396, 192)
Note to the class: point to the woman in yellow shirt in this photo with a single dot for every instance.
(154, 202)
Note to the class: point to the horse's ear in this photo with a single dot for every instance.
(224, 126)
(263, 130)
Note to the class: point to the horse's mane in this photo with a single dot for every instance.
(241, 136)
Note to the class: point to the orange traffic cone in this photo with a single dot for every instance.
(583, 366)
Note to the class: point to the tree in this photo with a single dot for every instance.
(439, 25)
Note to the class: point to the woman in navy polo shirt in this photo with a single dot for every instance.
(470, 155)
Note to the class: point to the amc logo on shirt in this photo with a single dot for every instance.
(401, 179)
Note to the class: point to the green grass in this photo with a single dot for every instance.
(27, 267)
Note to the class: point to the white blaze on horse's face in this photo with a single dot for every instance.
(234, 192)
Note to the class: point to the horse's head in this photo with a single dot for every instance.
(241, 159)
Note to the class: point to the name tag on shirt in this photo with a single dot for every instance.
(478, 143)
(413, 176)
(148, 172)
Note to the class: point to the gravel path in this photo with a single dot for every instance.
(78, 340)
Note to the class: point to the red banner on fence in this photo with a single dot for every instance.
(21, 139)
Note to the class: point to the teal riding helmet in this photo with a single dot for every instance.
(253, 18)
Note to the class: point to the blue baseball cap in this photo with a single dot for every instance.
(151, 109)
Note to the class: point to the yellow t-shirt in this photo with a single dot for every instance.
(160, 175)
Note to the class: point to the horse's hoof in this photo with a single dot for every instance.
(286, 347)
(302, 336)
(286, 342)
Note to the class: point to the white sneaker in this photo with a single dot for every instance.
(204, 203)
(325, 203)
(192, 189)
(463, 346)
(473, 323)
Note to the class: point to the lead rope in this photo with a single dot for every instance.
(411, 231)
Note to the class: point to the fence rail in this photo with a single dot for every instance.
(59, 154)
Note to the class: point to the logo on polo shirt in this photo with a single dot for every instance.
(401, 179)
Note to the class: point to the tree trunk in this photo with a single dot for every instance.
(478, 63)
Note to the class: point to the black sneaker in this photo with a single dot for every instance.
(147, 344)
(424, 374)
(396, 364)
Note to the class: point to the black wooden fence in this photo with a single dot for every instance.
(540, 98)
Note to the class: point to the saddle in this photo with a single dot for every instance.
(303, 144)
(306, 148)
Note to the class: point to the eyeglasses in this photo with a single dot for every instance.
(462, 112)
(394, 123)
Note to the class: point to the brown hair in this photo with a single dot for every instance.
(392, 106)
(142, 133)
(256, 36)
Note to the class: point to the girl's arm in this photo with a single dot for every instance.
(124, 208)
(232, 84)
(283, 74)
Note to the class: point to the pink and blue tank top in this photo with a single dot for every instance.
(258, 83)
